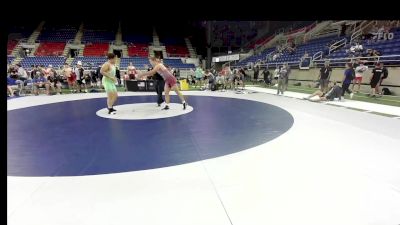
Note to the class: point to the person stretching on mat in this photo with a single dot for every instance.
(108, 81)
(170, 80)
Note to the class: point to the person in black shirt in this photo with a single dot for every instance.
(324, 76)
(378, 74)
(256, 72)
(159, 85)
(98, 75)
(118, 75)
(267, 79)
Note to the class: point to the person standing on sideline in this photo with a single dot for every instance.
(79, 75)
(282, 79)
(378, 74)
(384, 76)
(256, 73)
(287, 75)
(324, 76)
(347, 79)
(199, 74)
(266, 76)
(108, 71)
(360, 70)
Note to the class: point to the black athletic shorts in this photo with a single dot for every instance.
(374, 82)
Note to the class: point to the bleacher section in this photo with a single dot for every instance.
(177, 51)
(55, 61)
(89, 61)
(254, 58)
(50, 49)
(311, 47)
(173, 41)
(21, 31)
(58, 33)
(96, 49)
(386, 47)
(177, 63)
(10, 59)
(11, 45)
(137, 39)
(98, 36)
(141, 50)
(140, 62)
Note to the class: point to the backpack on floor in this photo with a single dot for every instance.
(386, 91)
(297, 84)
(213, 87)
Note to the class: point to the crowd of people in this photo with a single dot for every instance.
(37, 77)
(355, 71)
(76, 79)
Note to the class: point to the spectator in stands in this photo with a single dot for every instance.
(40, 82)
(275, 56)
(360, 70)
(22, 75)
(131, 71)
(54, 81)
(71, 77)
(343, 30)
(347, 79)
(335, 92)
(282, 80)
(381, 33)
(79, 76)
(324, 76)
(210, 80)
(376, 53)
(304, 56)
(30, 75)
(239, 78)
(33, 71)
(291, 47)
(220, 81)
(178, 73)
(13, 84)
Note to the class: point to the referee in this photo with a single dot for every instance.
(159, 85)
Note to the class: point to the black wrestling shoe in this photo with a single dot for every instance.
(165, 108)
(112, 111)
(184, 105)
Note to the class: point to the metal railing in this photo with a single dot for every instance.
(337, 45)
(388, 60)
(317, 55)
(360, 30)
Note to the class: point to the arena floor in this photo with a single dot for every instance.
(230, 158)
